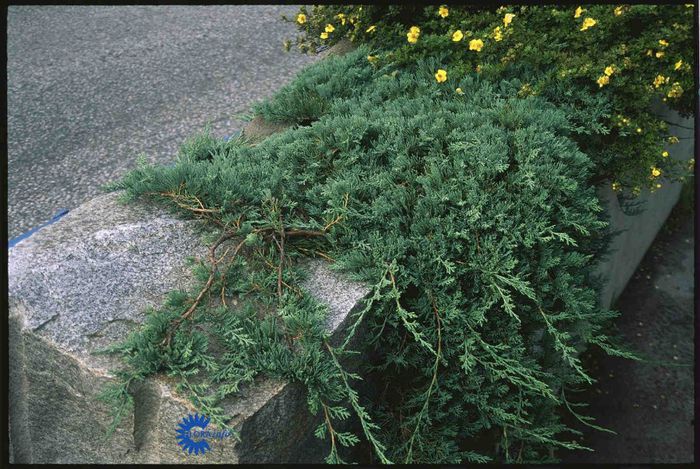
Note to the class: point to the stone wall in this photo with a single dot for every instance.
(82, 284)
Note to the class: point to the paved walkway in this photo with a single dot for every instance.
(649, 404)
(92, 87)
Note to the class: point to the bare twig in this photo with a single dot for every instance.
(207, 286)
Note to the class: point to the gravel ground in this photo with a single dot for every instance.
(92, 87)
(649, 405)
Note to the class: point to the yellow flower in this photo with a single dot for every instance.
(659, 80)
(372, 58)
(676, 90)
(587, 23)
(673, 140)
(497, 33)
(457, 36)
(508, 19)
(341, 17)
(650, 52)
(301, 18)
(660, 54)
(655, 172)
(609, 70)
(663, 42)
(459, 91)
(441, 75)
(616, 186)
(677, 65)
(603, 80)
(618, 10)
(370, 29)
(664, 154)
(578, 12)
(324, 35)
(639, 130)
(329, 28)
(443, 11)
(476, 44)
(413, 34)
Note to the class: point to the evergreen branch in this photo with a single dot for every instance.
(365, 420)
(566, 350)
(512, 367)
(586, 420)
(407, 317)
(433, 381)
(369, 302)
(333, 457)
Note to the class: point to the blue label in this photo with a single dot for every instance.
(193, 436)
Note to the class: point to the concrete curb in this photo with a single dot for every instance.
(639, 231)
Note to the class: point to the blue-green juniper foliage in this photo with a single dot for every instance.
(472, 217)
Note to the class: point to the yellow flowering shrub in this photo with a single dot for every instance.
(440, 76)
(629, 55)
(476, 44)
(508, 18)
(676, 91)
(659, 80)
(413, 34)
(588, 23)
(497, 34)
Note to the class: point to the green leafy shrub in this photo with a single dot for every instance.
(473, 218)
(627, 55)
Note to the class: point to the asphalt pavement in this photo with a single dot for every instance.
(92, 87)
(648, 404)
